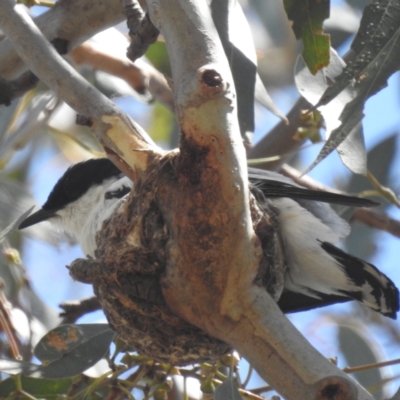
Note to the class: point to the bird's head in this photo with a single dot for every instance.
(75, 194)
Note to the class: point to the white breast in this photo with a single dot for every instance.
(101, 212)
(309, 266)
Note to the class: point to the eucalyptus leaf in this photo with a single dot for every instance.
(359, 349)
(69, 350)
(308, 18)
(311, 87)
(37, 114)
(14, 225)
(48, 389)
(379, 26)
(374, 78)
(227, 391)
(241, 54)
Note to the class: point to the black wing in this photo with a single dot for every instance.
(275, 185)
(291, 302)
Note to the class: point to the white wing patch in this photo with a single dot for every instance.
(309, 266)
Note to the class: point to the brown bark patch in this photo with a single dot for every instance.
(134, 250)
(335, 388)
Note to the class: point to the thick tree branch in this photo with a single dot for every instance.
(72, 20)
(121, 137)
(209, 282)
(210, 144)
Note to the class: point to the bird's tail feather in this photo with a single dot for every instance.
(371, 287)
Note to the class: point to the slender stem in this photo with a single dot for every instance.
(125, 390)
(371, 366)
(243, 392)
(6, 324)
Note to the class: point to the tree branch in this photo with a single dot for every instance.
(72, 20)
(209, 282)
(140, 75)
(75, 309)
(279, 141)
(141, 30)
(121, 137)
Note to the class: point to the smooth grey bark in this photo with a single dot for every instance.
(72, 20)
(242, 314)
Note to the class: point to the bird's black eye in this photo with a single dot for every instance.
(117, 194)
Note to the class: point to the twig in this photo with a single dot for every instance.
(262, 389)
(6, 323)
(121, 137)
(377, 220)
(247, 393)
(279, 141)
(12, 89)
(140, 75)
(141, 30)
(371, 366)
(77, 308)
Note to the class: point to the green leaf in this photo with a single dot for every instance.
(352, 150)
(372, 80)
(379, 25)
(308, 17)
(227, 391)
(358, 349)
(69, 350)
(39, 388)
(14, 225)
(242, 57)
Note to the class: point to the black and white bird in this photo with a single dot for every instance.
(318, 273)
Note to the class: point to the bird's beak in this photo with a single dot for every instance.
(36, 217)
